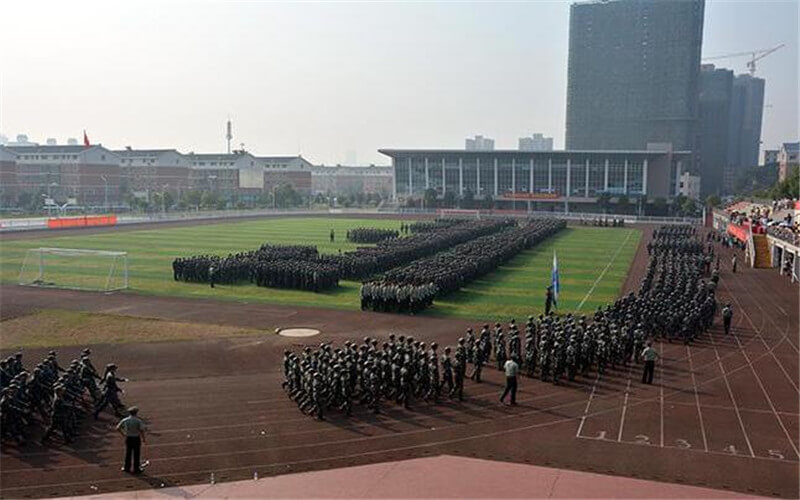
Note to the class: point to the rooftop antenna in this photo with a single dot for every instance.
(229, 134)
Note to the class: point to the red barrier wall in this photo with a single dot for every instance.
(741, 233)
(85, 221)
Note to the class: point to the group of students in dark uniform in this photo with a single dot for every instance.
(401, 369)
(275, 266)
(55, 396)
(302, 267)
(675, 301)
(371, 234)
(365, 262)
(413, 287)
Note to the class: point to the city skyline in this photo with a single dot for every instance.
(348, 80)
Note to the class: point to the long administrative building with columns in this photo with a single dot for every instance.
(540, 178)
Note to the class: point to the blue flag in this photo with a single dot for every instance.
(554, 279)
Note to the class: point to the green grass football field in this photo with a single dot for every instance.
(593, 263)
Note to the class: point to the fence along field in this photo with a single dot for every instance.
(515, 289)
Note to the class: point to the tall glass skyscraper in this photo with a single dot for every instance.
(634, 70)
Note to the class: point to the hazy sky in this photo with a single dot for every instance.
(327, 78)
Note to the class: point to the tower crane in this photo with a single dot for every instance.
(755, 55)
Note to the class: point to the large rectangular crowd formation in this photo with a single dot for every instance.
(400, 274)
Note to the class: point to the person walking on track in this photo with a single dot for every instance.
(649, 355)
(511, 368)
(133, 429)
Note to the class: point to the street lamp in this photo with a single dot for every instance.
(163, 198)
(105, 191)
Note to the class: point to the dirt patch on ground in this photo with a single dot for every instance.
(54, 328)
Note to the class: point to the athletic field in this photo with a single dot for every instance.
(593, 264)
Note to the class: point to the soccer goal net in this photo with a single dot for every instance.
(75, 269)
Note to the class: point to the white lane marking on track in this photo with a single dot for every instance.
(766, 395)
(697, 398)
(613, 258)
(375, 452)
(761, 337)
(625, 404)
(730, 394)
(588, 402)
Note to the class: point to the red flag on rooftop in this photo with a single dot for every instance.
(86, 139)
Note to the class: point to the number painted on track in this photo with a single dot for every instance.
(682, 443)
(642, 439)
(776, 454)
(730, 449)
(601, 435)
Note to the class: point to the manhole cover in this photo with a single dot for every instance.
(298, 332)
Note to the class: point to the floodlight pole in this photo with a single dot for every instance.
(105, 193)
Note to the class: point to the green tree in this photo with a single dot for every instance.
(688, 207)
(604, 201)
(209, 199)
(26, 200)
(660, 206)
(713, 201)
(449, 200)
(623, 202)
(789, 187)
(467, 200)
(430, 198)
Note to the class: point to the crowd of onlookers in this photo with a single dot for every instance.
(777, 219)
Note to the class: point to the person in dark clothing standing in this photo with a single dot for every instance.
(333, 235)
(133, 429)
(548, 301)
(727, 316)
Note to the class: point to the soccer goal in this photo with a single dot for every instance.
(75, 269)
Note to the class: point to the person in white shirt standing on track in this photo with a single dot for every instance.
(133, 429)
(649, 355)
(511, 368)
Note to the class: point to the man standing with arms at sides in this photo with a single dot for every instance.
(133, 429)
(548, 301)
(511, 368)
(649, 355)
(727, 316)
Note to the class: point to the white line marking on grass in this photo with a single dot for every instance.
(594, 285)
